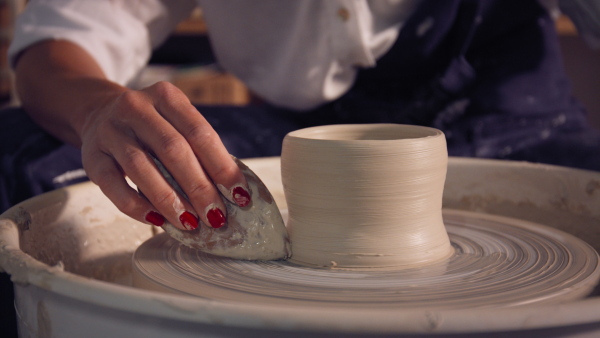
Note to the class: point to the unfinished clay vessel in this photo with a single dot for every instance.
(366, 196)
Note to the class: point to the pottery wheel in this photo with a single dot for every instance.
(498, 261)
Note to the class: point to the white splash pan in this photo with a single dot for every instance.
(69, 252)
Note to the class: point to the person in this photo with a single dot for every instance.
(487, 73)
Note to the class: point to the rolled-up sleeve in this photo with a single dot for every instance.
(118, 34)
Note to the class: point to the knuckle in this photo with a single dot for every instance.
(162, 198)
(164, 89)
(200, 190)
(126, 206)
(102, 173)
(101, 177)
(200, 134)
(133, 159)
(169, 96)
(131, 105)
(225, 171)
(130, 99)
(172, 146)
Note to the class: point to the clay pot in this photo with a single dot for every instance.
(366, 196)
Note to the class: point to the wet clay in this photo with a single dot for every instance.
(366, 196)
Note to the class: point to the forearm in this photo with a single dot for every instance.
(65, 91)
(60, 85)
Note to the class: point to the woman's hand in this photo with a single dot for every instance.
(118, 129)
(118, 137)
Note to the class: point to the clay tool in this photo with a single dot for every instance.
(253, 232)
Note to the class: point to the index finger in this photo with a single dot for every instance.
(204, 141)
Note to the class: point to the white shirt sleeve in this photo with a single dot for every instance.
(300, 54)
(119, 34)
(296, 54)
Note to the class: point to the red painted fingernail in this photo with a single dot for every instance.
(241, 196)
(216, 218)
(188, 220)
(155, 218)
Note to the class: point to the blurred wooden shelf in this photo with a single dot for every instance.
(564, 26)
(195, 24)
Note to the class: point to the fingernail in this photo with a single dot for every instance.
(241, 196)
(188, 220)
(155, 218)
(216, 218)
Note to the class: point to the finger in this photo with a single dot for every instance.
(180, 163)
(136, 164)
(104, 172)
(171, 148)
(214, 215)
(204, 142)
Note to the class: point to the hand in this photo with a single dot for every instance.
(118, 138)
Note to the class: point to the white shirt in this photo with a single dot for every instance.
(297, 54)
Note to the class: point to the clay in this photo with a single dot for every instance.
(366, 196)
